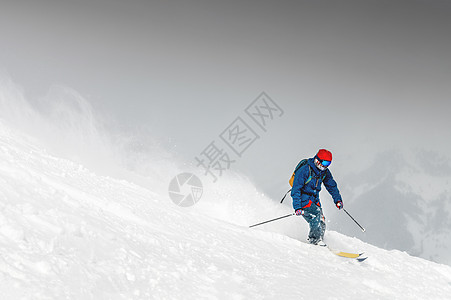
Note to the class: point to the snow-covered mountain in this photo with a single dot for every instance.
(67, 233)
(403, 198)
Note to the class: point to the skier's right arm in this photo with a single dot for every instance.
(298, 184)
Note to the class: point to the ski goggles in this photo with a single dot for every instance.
(325, 163)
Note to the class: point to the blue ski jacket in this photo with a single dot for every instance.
(307, 185)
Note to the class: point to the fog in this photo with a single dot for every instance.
(360, 78)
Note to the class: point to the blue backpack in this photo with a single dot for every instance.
(300, 164)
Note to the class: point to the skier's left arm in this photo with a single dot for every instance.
(332, 188)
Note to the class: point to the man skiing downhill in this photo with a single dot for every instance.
(305, 193)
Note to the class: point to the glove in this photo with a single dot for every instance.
(339, 204)
(299, 212)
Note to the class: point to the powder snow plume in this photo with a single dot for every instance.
(66, 124)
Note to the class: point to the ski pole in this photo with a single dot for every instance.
(363, 229)
(285, 196)
(272, 220)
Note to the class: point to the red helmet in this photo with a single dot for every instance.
(324, 154)
(323, 159)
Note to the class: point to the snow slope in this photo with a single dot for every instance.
(66, 233)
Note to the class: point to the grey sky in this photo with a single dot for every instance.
(352, 76)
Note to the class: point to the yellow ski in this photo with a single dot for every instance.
(357, 256)
(349, 255)
(346, 254)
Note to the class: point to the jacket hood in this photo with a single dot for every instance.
(315, 169)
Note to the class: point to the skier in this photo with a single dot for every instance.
(305, 193)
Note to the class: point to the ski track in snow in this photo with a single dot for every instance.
(66, 233)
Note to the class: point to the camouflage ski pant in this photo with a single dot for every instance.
(315, 218)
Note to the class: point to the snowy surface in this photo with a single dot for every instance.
(66, 233)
